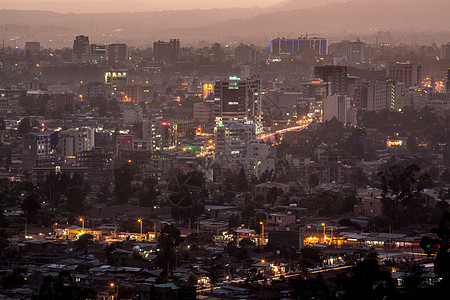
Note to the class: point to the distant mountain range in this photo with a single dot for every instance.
(284, 19)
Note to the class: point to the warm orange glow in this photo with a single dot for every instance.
(263, 261)
(111, 284)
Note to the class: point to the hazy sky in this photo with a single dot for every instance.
(89, 6)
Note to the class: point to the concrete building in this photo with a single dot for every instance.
(117, 54)
(239, 100)
(39, 149)
(298, 48)
(33, 47)
(445, 51)
(245, 55)
(129, 93)
(356, 51)
(167, 51)
(396, 95)
(232, 143)
(203, 112)
(410, 73)
(132, 115)
(373, 95)
(335, 75)
(336, 106)
(73, 142)
(92, 90)
(116, 78)
(163, 134)
(80, 46)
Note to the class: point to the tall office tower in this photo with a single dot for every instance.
(39, 149)
(245, 55)
(231, 143)
(297, 48)
(336, 106)
(372, 95)
(32, 47)
(356, 51)
(396, 95)
(447, 85)
(117, 53)
(73, 142)
(162, 134)
(239, 100)
(445, 51)
(335, 75)
(409, 73)
(167, 51)
(80, 45)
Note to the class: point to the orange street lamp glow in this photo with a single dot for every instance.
(140, 222)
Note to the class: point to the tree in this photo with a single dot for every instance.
(440, 248)
(84, 241)
(24, 126)
(405, 185)
(168, 240)
(147, 197)
(241, 181)
(272, 195)
(63, 287)
(14, 279)
(366, 279)
(31, 205)
(123, 177)
(314, 180)
(76, 200)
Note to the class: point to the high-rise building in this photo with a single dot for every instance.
(336, 106)
(32, 47)
(167, 51)
(73, 142)
(117, 53)
(232, 143)
(396, 95)
(297, 48)
(239, 100)
(80, 46)
(245, 55)
(335, 75)
(356, 51)
(162, 134)
(39, 149)
(445, 51)
(373, 95)
(447, 86)
(409, 73)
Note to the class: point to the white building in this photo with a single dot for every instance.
(336, 106)
(232, 143)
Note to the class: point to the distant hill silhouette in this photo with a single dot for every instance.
(194, 25)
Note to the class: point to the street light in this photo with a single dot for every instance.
(116, 290)
(262, 230)
(324, 237)
(140, 222)
(82, 222)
